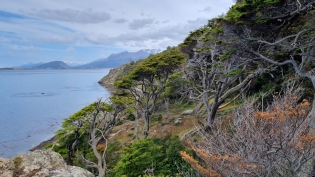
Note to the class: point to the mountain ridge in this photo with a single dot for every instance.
(117, 59)
(112, 61)
(53, 65)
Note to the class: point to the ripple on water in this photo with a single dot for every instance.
(34, 104)
(34, 94)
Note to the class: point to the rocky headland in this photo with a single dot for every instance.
(108, 80)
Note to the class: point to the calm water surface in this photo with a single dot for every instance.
(33, 103)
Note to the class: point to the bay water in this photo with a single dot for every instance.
(34, 103)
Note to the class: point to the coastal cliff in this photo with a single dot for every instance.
(108, 80)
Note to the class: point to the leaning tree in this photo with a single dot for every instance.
(147, 81)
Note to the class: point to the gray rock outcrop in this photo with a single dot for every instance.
(40, 163)
(109, 79)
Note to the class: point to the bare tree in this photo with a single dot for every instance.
(276, 142)
(219, 70)
(101, 122)
(286, 37)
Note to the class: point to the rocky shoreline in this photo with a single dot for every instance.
(44, 143)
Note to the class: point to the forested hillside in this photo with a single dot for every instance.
(235, 98)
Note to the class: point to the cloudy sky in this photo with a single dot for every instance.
(82, 31)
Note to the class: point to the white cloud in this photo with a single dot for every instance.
(59, 39)
(73, 15)
(140, 23)
(100, 25)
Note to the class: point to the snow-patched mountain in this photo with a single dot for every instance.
(53, 65)
(115, 60)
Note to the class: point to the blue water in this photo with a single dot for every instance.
(33, 103)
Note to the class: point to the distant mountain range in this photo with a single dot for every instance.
(113, 61)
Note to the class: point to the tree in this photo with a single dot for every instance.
(286, 37)
(83, 137)
(72, 136)
(146, 82)
(218, 66)
(275, 142)
(101, 121)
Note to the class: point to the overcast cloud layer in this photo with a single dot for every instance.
(83, 31)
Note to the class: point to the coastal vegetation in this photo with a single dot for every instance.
(236, 98)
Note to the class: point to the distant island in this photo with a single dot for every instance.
(53, 65)
(113, 61)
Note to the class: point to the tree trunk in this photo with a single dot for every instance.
(312, 114)
(146, 127)
(205, 99)
(101, 164)
(167, 101)
(136, 124)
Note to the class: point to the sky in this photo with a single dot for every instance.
(81, 31)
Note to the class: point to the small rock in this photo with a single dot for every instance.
(187, 112)
(178, 120)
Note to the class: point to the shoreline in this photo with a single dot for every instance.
(43, 144)
(107, 82)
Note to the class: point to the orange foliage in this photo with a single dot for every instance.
(307, 138)
(282, 128)
(281, 114)
(100, 147)
(194, 163)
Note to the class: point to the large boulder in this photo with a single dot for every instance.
(40, 163)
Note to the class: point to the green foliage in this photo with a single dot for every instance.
(125, 99)
(119, 123)
(234, 72)
(239, 11)
(171, 145)
(131, 117)
(154, 67)
(157, 117)
(175, 81)
(112, 154)
(236, 12)
(139, 156)
(73, 137)
(226, 55)
(162, 153)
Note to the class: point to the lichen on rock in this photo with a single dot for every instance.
(40, 163)
(6, 167)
